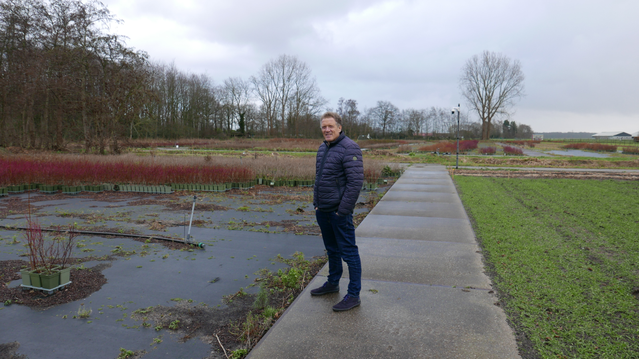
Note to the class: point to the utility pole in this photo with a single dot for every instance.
(458, 108)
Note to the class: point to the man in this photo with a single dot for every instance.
(338, 180)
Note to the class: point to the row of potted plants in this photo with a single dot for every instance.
(143, 189)
(15, 189)
(221, 187)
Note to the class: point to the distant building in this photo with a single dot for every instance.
(566, 135)
(622, 136)
(538, 137)
(635, 136)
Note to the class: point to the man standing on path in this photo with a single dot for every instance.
(338, 180)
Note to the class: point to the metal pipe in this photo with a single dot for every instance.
(128, 235)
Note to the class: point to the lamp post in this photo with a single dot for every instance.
(457, 155)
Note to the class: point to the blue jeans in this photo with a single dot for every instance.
(338, 233)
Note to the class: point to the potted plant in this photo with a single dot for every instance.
(48, 257)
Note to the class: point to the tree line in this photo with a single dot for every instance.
(64, 77)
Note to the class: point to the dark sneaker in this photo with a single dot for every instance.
(325, 289)
(347, 303)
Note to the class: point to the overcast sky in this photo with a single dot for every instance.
(580, 58)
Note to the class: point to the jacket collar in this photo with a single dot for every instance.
(337, 140)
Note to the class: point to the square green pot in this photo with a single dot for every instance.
(26, 278)
(15, 189)
(65, 275)
(35, 279)
(50, 281)
(72, 190)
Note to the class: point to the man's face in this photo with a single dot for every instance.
(330, 129)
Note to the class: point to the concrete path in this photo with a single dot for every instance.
(424, 292)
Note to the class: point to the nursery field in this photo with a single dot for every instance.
(617, 162)
(152, 298)
(564, 257)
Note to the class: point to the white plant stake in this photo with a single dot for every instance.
(188, 238)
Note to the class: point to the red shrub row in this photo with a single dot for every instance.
(440, 146)
(487, 150)
(15, 171)
(451, 147)
(512, 150)
(591, 146)
(529, 143)
(631, 150)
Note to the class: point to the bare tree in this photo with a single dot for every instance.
(305, 101)
(438, 119)
(347, 109)
(288, 93)
(385, 115)
(238, 95)
(413, 121)
(265, 86)
(491, 83)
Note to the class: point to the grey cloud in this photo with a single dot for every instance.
(578, 56)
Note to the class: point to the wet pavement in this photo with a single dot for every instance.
(240, 239)
(532, 153)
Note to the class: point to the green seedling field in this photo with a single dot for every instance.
(564, 257)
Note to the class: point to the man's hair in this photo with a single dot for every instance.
(334, 115)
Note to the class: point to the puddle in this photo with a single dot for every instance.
(579, 153)
(239, 242)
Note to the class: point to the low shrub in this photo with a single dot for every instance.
(487, 150)
(631, 150)
(404, 149)
(371, 175)
(440, 147)
(468, 145)
(387, 171)
(529, 143)
(516, 151)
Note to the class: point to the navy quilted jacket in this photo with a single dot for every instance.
(339, 176)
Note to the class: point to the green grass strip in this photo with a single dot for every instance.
(564, 257)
